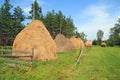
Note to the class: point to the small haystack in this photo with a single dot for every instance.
(103, 44)
(77, 42)
(36, 36)
(88, 43)
(63, 44)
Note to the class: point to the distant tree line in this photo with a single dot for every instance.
(114, 37)
(11, 22)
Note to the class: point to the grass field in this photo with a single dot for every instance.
(97, 63)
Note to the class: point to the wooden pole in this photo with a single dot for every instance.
(32, 58)
(80, 54)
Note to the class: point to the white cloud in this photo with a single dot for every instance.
(26, 10)
(41, 2)
(96, 17)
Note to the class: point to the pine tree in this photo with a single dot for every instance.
(10, 24)
(5, 22)
(18, 14)
(18, 18)
(36, 11)
(5, 17)
(58, 23)
(100, 34)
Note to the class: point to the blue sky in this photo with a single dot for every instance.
(88, 15)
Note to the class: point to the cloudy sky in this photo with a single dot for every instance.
(88, 15)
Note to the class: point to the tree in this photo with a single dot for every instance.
(56, 23)
(49, 21)
(114, 38)
(5, 21)
(94, 42)
(18, 14)
(100, 34)
(69, 28)
(59, 22)
(36, 11)
(10, 24)
(81, 35)
(5, 16)
(18, 18)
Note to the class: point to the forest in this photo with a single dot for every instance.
(12, 22)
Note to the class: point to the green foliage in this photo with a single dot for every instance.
(100, 34)
(36, 11)
(56, 23)
(81, 35)
(114, 38)
(94, 42)
(10, 24)
(5, 17)
(18, 15)
(17, 25)
(98, 63)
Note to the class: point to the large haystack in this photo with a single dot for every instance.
(88, 43)
(63, 44)
(36, 36)
(77, 42)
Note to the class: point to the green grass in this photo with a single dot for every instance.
(97, 63)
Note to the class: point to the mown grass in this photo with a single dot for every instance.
(97, 63)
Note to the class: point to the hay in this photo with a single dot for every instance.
(103, 44)
(77, 42)
(36, 36)
(88, 43)
(63, 44)
(81, 43)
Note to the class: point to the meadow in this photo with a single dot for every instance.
(97, 63)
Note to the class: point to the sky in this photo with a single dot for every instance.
(88, 16)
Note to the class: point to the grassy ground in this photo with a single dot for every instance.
(97, 63)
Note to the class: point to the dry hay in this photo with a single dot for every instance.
(36, 36)
(63, 44)
(77, 42)
(69, 45)
(103, 44)
(81, 43)
(88, 43)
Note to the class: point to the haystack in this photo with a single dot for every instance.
(77, 42)
(36, 36)
(88, 43)
(103, 44)
(81, 43)
(63, 44)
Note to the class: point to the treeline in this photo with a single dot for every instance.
(11, 22)
(114, 36)
(12, 19)
(56, 23)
